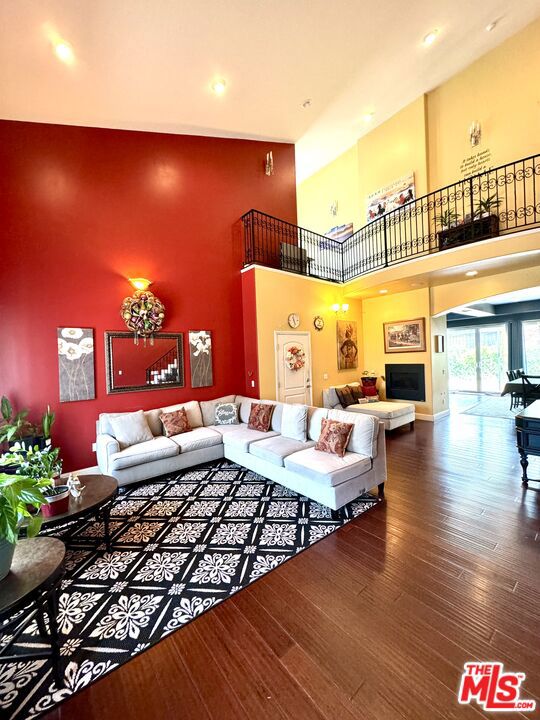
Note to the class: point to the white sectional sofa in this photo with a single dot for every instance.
(392, 414)
(326, 478)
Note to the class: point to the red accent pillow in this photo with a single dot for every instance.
(367, 381)
(175, 422)
(370, 390)
(260, 416)
(334, 437)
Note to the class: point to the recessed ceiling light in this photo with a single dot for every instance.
(64, 52)
(430, 38)
(219, 86)
(368, 117)
(307, 103)
(491, 26)
(472, 273)
(383, 291)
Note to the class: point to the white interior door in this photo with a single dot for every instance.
(293, 386)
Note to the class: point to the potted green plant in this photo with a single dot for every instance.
(485, 218)
(15, 425)
(41, 464)
(481, 225)
(447, 219)
(18, 495)
(47, 421)
(486, 206)
(15, 428)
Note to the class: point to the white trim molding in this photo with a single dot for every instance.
(433, 418)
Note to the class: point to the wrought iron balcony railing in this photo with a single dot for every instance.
(496, 202)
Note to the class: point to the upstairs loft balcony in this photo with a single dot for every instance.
(497, 202)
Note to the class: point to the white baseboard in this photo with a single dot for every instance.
(433, 418)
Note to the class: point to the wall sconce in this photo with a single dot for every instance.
(334, 208)
(269, 164)
(140, 283)
(475, 133)
(336, 307)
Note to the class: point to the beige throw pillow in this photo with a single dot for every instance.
(131, 428)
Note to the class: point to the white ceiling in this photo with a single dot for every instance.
(148, 64)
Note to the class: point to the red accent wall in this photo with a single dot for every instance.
(81, 210)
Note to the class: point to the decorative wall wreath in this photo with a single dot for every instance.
(295, 358)
(143, 314)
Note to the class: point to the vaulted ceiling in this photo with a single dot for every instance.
(150, 64)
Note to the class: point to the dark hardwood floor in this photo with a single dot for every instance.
(375, 621)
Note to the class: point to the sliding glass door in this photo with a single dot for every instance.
(477, 358)
(531, 346)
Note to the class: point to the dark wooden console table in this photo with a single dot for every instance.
(528, 436)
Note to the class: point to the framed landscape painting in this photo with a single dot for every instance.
(405, 336)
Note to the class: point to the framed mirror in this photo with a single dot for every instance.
(145, 366)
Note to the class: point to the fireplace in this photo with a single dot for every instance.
(405, 382)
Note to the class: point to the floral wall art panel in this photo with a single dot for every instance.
(200, 358)
(76, 363)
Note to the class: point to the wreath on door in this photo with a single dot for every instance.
(295, 358)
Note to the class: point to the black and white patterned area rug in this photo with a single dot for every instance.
(181, 545)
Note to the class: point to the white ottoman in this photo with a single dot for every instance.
(393, 414)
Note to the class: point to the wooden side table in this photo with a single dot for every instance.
(34, 578)
(97, 498)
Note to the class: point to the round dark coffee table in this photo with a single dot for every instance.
(34, 578)
(96, 499)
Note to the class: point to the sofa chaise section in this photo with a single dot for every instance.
(393, 414)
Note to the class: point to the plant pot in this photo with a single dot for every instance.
(467, 232)
(58, 499)
(6, 556)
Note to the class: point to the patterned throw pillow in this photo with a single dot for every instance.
(334, 437)
(175, 422)
(345, 396)
(356, 393)
(227, 414)
(260, 416)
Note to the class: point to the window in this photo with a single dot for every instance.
(531, 346)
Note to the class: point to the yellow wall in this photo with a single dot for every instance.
(402, 306)
(501, 90)
(392, 150)
(430, 136)
(447, 297)
(279, 294)
(335, 182)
